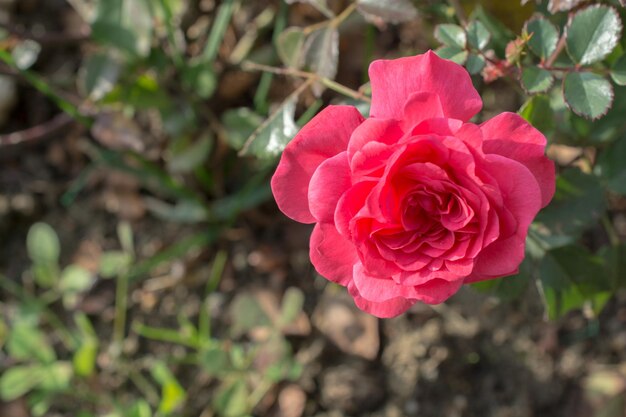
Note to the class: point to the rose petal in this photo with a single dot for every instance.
(385, 309)
(369, 145)
(350, 203)
(419, 107)
(330, 180)
(511, 136)
(394, 81)
(332, 255)
(522, 197)
(323, 137)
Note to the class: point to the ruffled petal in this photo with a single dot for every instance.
(511, 136)
(522, 198)
(385, 309)
(331, 179)
(332, 255)
(323, 137)
(393, 82)
(421, 106)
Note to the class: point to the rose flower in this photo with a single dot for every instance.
(414, 201)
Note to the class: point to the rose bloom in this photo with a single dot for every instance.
(414, 201)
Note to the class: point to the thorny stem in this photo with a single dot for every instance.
(335, 86)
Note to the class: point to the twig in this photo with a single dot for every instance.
(39, 132)
(559, 48)
(48, 39)
(335, 86)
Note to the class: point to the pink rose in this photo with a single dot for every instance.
(415, 201)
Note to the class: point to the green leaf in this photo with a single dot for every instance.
(188, 156)
(56, 376)
(615, 261)
(215, 360)
(18, 380)
(231, 399)
(270, 138)
(544, 38)
(126, 25)
(290, 45)
(75, 279)
(140, 408)
(587, 94)
(43, 244)
(570, 277)
(98, 75)
(246, 313)
(536, 80)
(240, 124)
(322, 54)
(618, 71)
(293, 300)
(451, 35)
(199, 78)
(184, 211)
(611, 167)
(475, 64)
(577, 205)
(538, 112)
(500, 33)
(27, 342)
(25, 54)
(478, 35)
(84, 359)
(593, 33)
(393, 11)
(452, 53)
(114, 263)
(508, 288)
(172, 393)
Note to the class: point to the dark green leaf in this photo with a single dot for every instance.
(246, 313)
(200, 79)
(184, 211)
(544, 37)
(577, 204)
(615, 261)
(290, 45)
(500, 33)
(240, 124)
(322, 54)
(478, 35)
(215, 360)
(618, 71)
(570, 277)
(593, 33)
(271, 137)
(537, 111)
(536, 80)
(126, 25)
(232, 398)
(508, 288)
(99, 75)
(188, 156)
(451, 35)
(611, 166)
(588, 94)
(393, 11)
(475, 64)
(452, 53)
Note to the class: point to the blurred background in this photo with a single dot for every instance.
(146, 271)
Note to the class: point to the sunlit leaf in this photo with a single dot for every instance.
(25, 54)
(453, 53)
(618, 71)
(593, 33)
(451, 35)
(322, 54)
(290, 47)
(393, 11)
(478, 35)
(475, 64)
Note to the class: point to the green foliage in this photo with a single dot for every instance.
(593, 33)
(544, 37)
(478, 35)
(536, 80)
(451, 35)
(588, 94)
